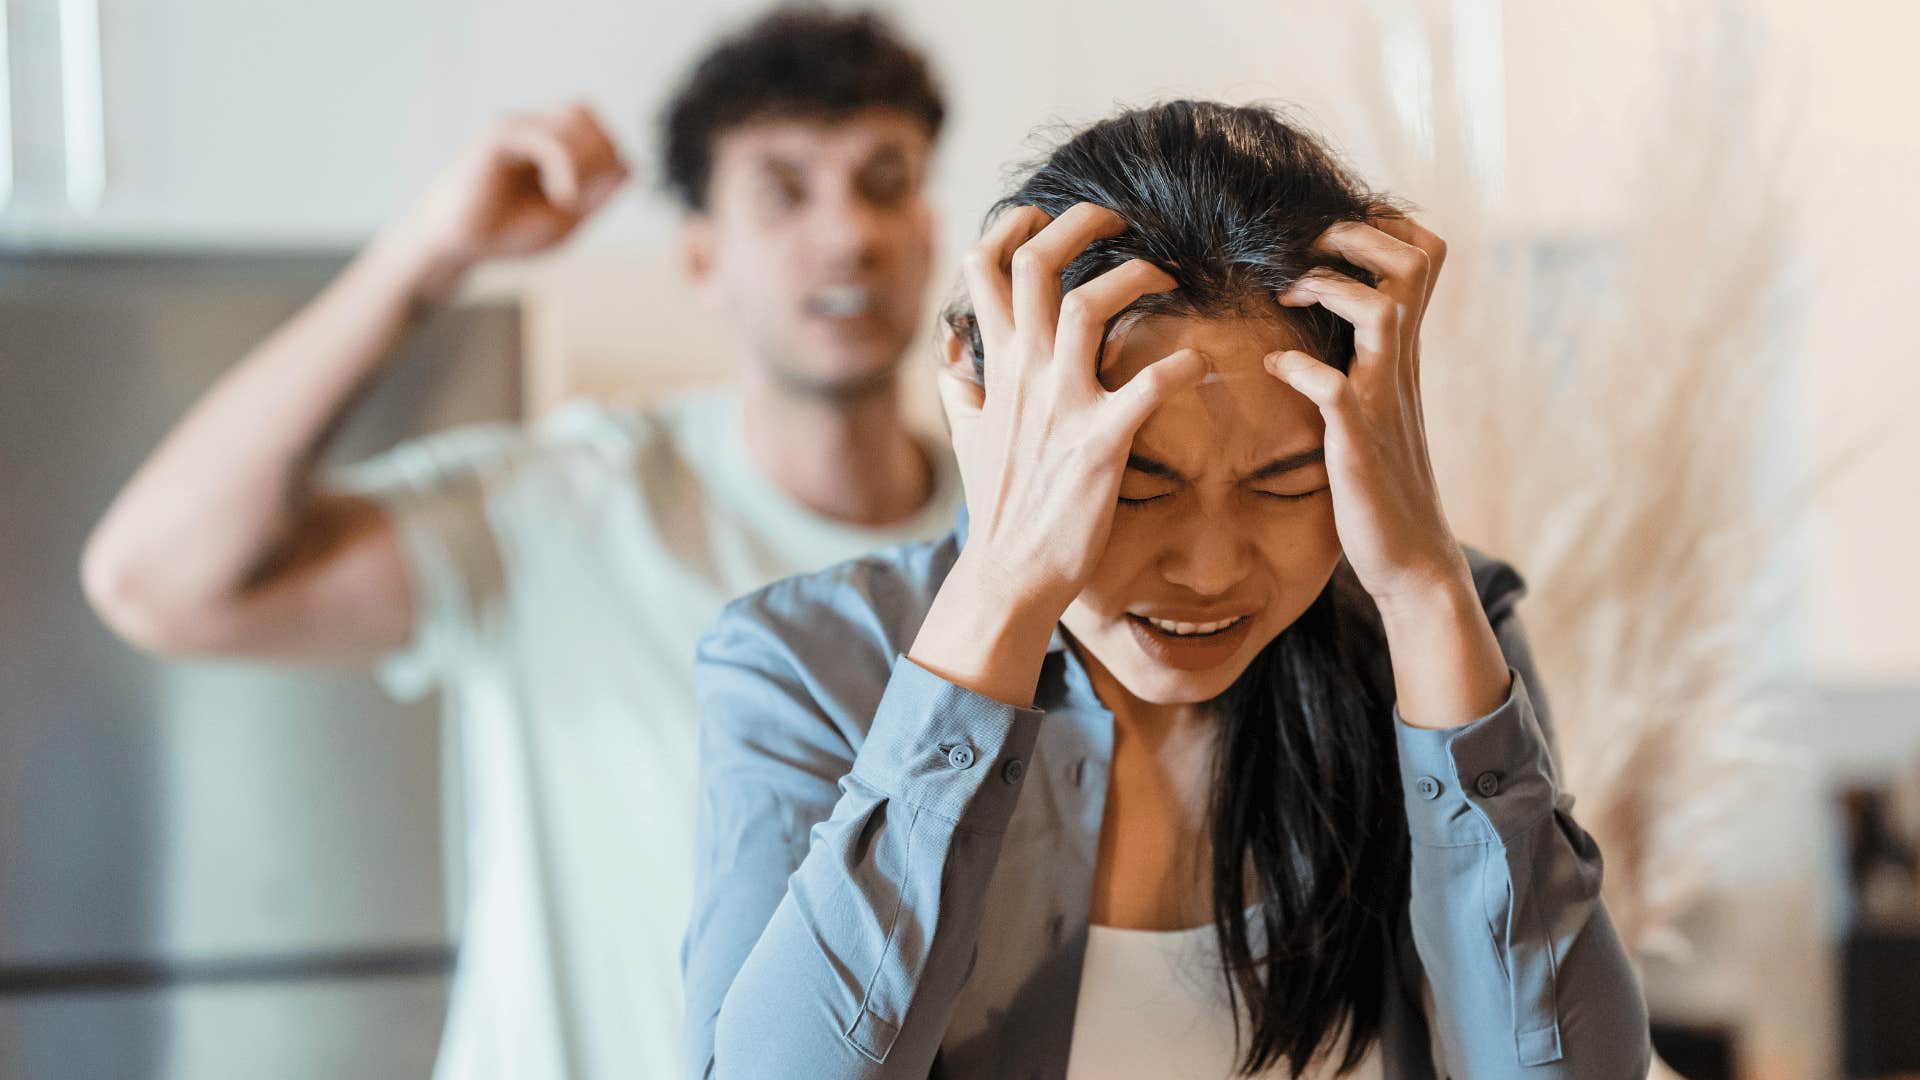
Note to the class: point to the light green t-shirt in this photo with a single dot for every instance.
(562, 576)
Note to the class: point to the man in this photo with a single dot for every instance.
(553, 582)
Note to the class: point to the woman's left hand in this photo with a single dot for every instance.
(1386, 506)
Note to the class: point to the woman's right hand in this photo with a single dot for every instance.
(1041, 447)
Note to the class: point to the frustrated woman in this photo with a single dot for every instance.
(1202, 747)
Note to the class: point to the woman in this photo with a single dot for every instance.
(1202, 747)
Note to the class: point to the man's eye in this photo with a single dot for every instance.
(782, 192)
(1139, 494)
(884, 184)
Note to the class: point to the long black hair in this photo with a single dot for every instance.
(1307, 812)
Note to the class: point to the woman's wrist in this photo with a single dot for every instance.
(987, 632)
(1448, 668)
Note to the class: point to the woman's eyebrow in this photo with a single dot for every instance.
(1279, 465)
(1289, 463)
(1142, 463)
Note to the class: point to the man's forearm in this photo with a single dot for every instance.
(219, 494)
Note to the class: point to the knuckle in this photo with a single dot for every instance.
(504, 128)
(1144, 270)
(1028, 261)
(1079, 307)
(1386, 312)
(1332, 384)
(1027, 218)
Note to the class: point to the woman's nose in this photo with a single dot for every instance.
(1208, 556)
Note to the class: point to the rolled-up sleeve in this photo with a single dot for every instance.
(840, 875)
(433, 490)
(1529, 978)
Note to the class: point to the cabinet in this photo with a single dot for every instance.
(278, 124)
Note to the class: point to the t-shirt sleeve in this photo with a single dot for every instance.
(435, 492)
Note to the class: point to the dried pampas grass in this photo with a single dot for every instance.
(1606, 412)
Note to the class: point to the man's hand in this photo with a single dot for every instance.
(521, 188)
(222, 544)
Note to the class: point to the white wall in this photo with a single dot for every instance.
(1579, 95)
(238, 122)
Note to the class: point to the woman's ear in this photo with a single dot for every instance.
(961, 395)
(956, 354)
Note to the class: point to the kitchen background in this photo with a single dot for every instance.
(219, 870)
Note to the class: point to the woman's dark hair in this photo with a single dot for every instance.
(800, 60)
(1306, 797)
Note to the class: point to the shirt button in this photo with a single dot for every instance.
(960, 757)
(1428, 787)
(1487, 784)
(1013, 770)
(1057, 928)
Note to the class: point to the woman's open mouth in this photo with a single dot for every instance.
(1190, 646)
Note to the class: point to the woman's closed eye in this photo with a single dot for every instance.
(1293, 496)
(1143, 490)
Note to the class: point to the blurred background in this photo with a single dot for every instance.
(1683, 243)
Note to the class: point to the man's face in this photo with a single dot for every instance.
(817, 244)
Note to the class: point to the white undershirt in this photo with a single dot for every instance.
(1153, 1004)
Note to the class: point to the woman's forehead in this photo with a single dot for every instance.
(1231, 343)
(1240, 417)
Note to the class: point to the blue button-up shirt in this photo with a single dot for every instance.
(894, 873)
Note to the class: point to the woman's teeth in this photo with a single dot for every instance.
(840, 301)
(1183, 628)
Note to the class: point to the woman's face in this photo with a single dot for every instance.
(1224, 533)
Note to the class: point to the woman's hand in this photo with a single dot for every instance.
(1386, 506)
(1447, 664)
(1041, 447)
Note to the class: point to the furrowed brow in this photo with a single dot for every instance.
(1289, 463)
(1142, 463)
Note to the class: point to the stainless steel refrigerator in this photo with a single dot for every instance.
(206, 870)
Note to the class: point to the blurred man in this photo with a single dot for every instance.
(552, 582)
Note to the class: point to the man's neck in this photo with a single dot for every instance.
(851, 460)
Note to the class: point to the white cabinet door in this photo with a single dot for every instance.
(223, 121)
(276, 123)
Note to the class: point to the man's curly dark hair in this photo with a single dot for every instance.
(801, 61)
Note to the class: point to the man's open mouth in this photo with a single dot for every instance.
(840, 301)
